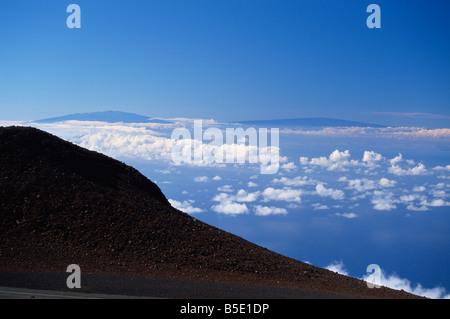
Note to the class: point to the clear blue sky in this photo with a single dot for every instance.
(224, 59)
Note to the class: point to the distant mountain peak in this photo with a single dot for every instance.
(105, 116)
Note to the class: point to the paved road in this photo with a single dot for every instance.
(53, 285)
(22, 293)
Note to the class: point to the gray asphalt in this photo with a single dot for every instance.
(53, 285)
(23, 293)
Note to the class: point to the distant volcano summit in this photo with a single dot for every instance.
(61, 204)
(107, 116)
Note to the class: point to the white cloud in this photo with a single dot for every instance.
(439, 186)
(438, 193)
(419, 189)
(372, 159)
(185, 206)
(412, 207)
(142, 141)
(395, 169)
(288, 167)
(217, 178)
(442, 168)
(394, 282)
(347, 215)
(318, 206)
(338, 267)
(231, 204)
(201, 179)
(285, 194)
(304, 160)
(337, 161)
(266, 210)
(396, 160)
(324, 192)
(384, 182)
(385, 132)
(228, 206)
(435, 203)
(410, 198)
(383, 201)
(243, 196)
(252, 184)
(361, 185)
(418, 170)
(225, 188)
(398, 283)
(163, 171)
(296, 181)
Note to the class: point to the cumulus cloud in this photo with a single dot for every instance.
(442, 168)
(336, 161)
(228, 206)
(435, 203)
(338, 267)
(244, 196)
(234, 204)
(418, 170)
(252, 184)
(318, 206)
(396, 282)
(288, 167)
(186, 206)
(347, 215)
(201, 179)
(266, 210)
(396, 169)
(329, 192)
(383, 201)
(225, 188)
(341, 161)
(384, 182)
(296, 181)
(415, 208)
(372, 159)
(284, 194)
(361, 185)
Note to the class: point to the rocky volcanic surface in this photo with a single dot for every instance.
(61, 204)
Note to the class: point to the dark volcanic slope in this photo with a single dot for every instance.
(61, 204)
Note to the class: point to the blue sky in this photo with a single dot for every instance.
(228, 60)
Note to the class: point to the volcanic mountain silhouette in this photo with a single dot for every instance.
(61, 204)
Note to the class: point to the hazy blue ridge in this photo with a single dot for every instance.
(309, 122)
(108, 116)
